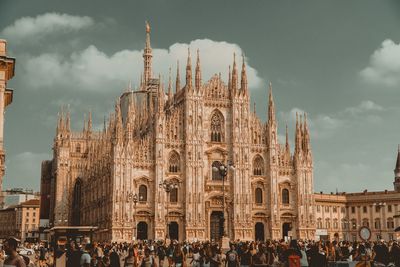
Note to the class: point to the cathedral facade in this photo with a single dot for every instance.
(176, 134)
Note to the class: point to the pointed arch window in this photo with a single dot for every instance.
(174, 162)
(216, 175)
(217, 127)
(142, 193)
(285, 196)
(78, 148)
(258, 166)
(259, 195)
(173, 195)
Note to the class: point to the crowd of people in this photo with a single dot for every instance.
(209, 254)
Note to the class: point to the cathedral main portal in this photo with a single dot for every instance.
(216, 225)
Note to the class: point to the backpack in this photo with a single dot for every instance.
(294, 261)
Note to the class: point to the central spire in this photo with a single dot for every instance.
(147, 55)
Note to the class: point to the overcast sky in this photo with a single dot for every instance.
(339, 61)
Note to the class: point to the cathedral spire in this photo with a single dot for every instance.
(306, 135)
(178, 78)
(287, 138)
(147, 55)
(234, 74)
(169, 86)
(229, 79)
(68, 121)
(298, 135)
(160, 96)
(89, 125)
(271, 106)
(189, 71)
(244, 78)
(198, 72)
(396, 182)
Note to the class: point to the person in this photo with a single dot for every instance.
(42, 256)
(245, 257)
(317, 259)
(381, 255)
(73, 255)
(215, 260)
(114, 259)
(394, 254)
(130, 259)
(232, 259)
(292, 255)
(161, 254)
(85, 257)
(148, 260)
(196, 257)
(178, 256)
(13, 259)
(259, 259)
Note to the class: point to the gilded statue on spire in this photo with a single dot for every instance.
(147, 27)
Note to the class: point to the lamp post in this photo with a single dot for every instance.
(168, 186)
(135, 200)
(222, 169)
(379, 205)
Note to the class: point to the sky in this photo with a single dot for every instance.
(339, 61)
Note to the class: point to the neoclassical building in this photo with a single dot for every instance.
(7, 68)
(177, 134)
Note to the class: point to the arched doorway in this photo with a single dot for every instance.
(259, 231)
(286, 227)
(216, 223)
(142, 231)
(173, 231)
(77, 203)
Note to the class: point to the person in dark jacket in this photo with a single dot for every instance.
(114, 259)
(317, 259)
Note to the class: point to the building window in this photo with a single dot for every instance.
(390, 223)
(365, 222)
(217, 127)
(78, 148)
(326, 208)
(377, 208)
(377, 224)
(216, 175)
(318, 208)
(335, 209)
(390, 236)
(335, 224)
(258, 166)
(174, 162)
(259, 196)
(365, 209)
(353, 209)
(342, 209)
(327, 224)
(319, 223)
(354, 224)
(285, 196)
(389, 208)
(173, 195)
(142, 193)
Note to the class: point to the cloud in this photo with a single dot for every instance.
(34, 28)
(363, 107)
(323, 126)
(94, 70)
(384, 65)
(23, 170)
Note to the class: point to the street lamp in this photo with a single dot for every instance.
(168, 186)
(379, 205)
(222, 169)
(135, 200)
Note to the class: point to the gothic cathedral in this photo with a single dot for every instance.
(111, 178)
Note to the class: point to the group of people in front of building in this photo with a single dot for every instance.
(209, 254)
